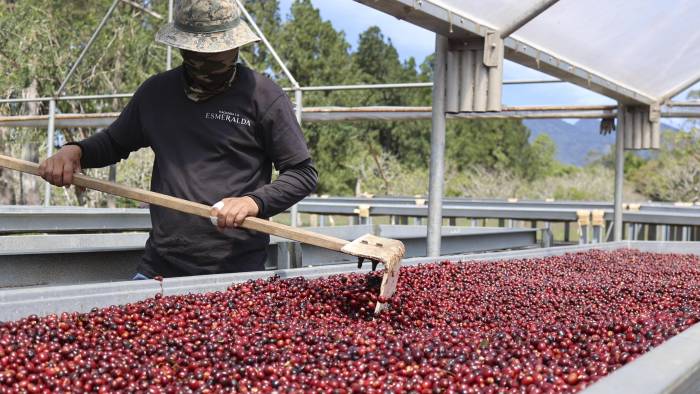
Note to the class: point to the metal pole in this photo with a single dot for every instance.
(527, 17)
(95, 97)
(144, 9)
(169, 49)
(619, 176)
(547, 235)
(687, 103)
(294, 211)
(268, 45)
(437, 149)
(49, 147)
(597, 234)
(407, 85)
(680, 88)
(87, 46)
(411, 85)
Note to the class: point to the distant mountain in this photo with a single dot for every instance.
(575, 141)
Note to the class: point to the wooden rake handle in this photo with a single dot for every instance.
(179, 204)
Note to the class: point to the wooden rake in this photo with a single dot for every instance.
(377, 249)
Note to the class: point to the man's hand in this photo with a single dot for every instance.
(234, 211)
(59, 168)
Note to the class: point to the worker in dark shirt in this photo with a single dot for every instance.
(216, 128)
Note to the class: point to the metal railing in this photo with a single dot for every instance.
(642, 221)
(52, 120)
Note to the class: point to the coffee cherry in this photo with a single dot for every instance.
(555, 324)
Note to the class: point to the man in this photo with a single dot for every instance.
(216, 128)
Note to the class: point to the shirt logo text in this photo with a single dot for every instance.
(230, 117)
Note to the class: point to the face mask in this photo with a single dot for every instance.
(208, 74)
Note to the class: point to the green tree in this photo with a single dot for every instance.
(39, 51)
(674, 174)
(492, 144)
(633, 161)
(39, 41)
(317, 54)
(378, 62)
(541, 161)
(267, 16)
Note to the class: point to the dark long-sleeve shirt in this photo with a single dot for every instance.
(204, 152)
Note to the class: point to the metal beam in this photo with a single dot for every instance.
(404, 85)
(268, 45)
(71, 246)
(437, 147)
(298, 108)
(350, 115)
(32, 219)
(680, 88)
(437, 18)
(22, 219)
(531, 14)
(50, 129)
(689, 103)
(337, 114)
(619, 179)
(169, 49)
(87, 47)
(144, 9)
(409, 85)
(65, 98)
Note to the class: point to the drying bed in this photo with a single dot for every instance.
(554, 324)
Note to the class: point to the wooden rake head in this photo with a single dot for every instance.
(379, 250)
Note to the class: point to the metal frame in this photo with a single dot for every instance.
(437, 147)
(404, 85)
(531, 14)
(336, 114)
(426, 13)
(59, 259)
(295, 85)
(437, 18)
(87, 47)
(146, 10)
(169, 49)
(678, 89)
(654, 217)
(619, 179)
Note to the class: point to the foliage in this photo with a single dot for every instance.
(590, 183)
(633, 160)
(485, 158)
(39, 41)
(674, 175)
(380, 173)
(481, 182)
(39, 47)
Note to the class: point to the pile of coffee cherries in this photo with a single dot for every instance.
(554, 324)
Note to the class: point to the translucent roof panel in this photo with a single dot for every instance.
(651, 46)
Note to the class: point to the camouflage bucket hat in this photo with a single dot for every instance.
(206, 26)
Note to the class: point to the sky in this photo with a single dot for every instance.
(413, 41)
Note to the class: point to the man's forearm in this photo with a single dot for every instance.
(292, 185)
(100, 150)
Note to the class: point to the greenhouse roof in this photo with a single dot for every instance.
(635, 51)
